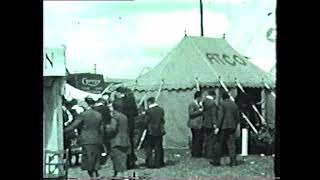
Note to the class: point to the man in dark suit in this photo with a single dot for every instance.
(131, 111)
(227, 128)
(103, 109)
(118, 132)
(210, 122)
(195, 124)
(154, 136)
(90, 138)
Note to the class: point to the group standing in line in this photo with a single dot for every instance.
(213, 123)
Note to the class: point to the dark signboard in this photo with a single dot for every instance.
(224, 59)
(93, 83)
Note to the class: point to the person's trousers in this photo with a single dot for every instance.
(197, 142)
(225, 137)
(132, 158)
(154, 152)
(208, 142)
(119, 158)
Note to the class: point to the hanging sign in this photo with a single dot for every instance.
(92, 83)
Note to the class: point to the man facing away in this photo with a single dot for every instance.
(155, 132)
(103, 109)
(195, 124)
(226, 130)
(118, 132)
(90, 138)
(131, 111)
(210, 123)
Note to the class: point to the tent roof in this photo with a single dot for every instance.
(206, 59)
(54, 61)
(273, 70)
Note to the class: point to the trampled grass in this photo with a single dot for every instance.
(181, 165)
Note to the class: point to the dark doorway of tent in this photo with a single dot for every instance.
(261, 142)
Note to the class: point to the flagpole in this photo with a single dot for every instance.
(201, 18)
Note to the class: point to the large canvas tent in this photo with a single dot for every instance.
(54, 71)
(195, 60)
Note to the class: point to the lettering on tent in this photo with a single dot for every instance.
(225, 59)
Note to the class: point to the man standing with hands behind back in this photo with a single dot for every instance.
(155, 132)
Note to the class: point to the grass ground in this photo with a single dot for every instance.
(181, 165)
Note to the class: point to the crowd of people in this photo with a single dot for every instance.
(114, 126)
(215, 123)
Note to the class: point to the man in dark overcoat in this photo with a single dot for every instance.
(210, 122)
(118, 132)
(154, 135)
(195, 124)
(90, 138)
(226, 129)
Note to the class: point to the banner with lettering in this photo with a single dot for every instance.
(92, 83)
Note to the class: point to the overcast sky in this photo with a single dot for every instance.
(122, 37)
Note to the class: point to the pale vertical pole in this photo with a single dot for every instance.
(244, 144)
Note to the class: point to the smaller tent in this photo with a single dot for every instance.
(54, 72)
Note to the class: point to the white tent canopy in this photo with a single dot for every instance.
(74, 93)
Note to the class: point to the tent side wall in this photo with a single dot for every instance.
(175, 104)
(52, 113)
(270, 109)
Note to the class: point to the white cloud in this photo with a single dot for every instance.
(121, 47)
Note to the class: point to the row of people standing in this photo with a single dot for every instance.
(213, 124)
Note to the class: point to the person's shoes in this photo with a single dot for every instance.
(150, 167)
(215, 163)
(233, 163)
(198, 156)
(132, 166)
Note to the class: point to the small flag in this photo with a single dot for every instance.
(49, 60)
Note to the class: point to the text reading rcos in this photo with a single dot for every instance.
(225, 59)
